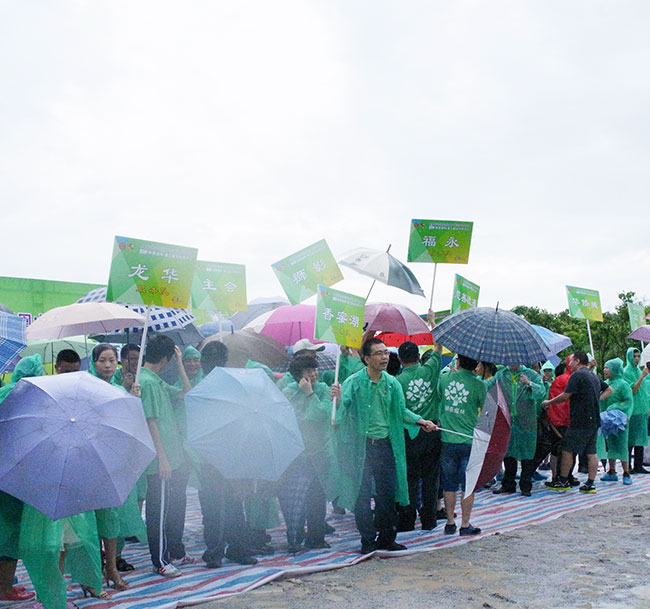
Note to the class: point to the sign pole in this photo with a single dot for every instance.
(591, 342)
(336, 380)
(433, 285)
(143, 344)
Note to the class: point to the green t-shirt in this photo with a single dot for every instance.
(462, 395)
(419, 383)
(157, 404)
(377, 423)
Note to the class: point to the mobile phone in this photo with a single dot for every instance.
(647, 365)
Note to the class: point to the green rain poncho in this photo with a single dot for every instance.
(37, 540)
(313, 414)
(419, 384)
(524, 403)
(353, 416)
(638, 425)
(125, 521)
(620, 399)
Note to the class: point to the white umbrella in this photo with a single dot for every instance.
(83, 318)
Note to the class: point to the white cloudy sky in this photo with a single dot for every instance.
(251, 129)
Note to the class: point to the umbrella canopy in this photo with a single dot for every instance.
(491, 335)
(554, 341)
(324, 361)
(240, 422)
(12, 338)
(210, 328)
(289, 323)
(244, 345)
(382, 267)
(189, 335)
(257, 307)
(387, 317)
(72, 443)
(395, 339)
(490, 442)
(161, 319)
(645, 355)
(641, 333)
(83, 318)
(48, 349)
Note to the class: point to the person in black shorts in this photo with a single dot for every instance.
(583, 392)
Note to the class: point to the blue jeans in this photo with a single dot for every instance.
(454, 460)
(379, 466)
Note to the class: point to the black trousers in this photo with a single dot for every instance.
(422, 464)
(224, 522)
(173, 516)
(549, 442)
(379, 466)
(510, 472)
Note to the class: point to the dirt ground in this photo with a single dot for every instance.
(597, 558)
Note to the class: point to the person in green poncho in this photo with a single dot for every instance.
(548, 376)
(129, 356)
(47, 547)
(621, 399)
(125, 521)
(370, 448)
(11, 509)
(638, 427)
(301, 489)
(524, 392)
(419, 383)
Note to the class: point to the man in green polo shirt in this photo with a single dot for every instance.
(370, 448)
(170, 465)
(419, 383)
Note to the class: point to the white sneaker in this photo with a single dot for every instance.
(186, 560)
(168, 570)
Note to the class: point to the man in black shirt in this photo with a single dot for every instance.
(582, 391)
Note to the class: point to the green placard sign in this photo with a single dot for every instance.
(637, 315)
(339, 317)
(30, 298)
(219, 286)
(584, 303)
(151, 273)
(465, 294)
(440, 241)
(301, 273)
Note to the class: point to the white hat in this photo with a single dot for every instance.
(304, 344)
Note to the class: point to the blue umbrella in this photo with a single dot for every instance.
(491, 335)
(12, 338)
(71, 443)
(611, 422)
(554, 341)
(240, 422)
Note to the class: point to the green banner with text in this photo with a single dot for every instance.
(444, 241)
(151, 273)
(584, 303)
(339, 317)
(219, 286)
(465, 294)
(301, 273)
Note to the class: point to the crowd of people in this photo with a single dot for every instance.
(397, 451)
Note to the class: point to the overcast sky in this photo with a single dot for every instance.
(253, 129)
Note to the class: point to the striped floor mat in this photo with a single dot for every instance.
(493, 513)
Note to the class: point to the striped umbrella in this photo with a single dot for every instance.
(161, 319)
(491, 335)
(12, 338)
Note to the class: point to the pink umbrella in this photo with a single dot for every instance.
(387, 317)
(641, 333)
(83, 318)
(290, 323)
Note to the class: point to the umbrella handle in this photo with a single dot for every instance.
(458, 433)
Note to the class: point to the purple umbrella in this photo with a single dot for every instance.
(387, 317)
(641, 333)
(72, 443)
